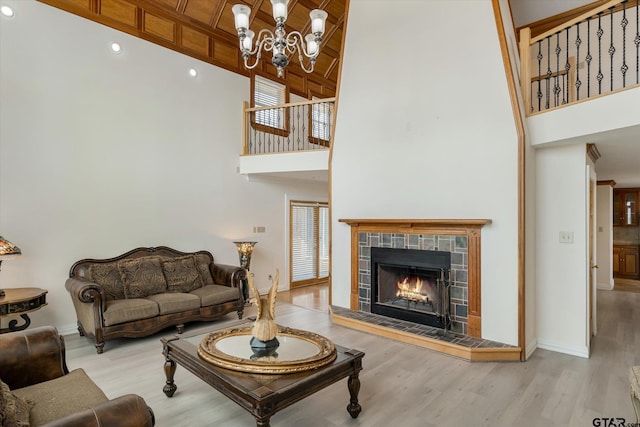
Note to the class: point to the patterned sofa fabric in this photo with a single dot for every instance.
(148, 289)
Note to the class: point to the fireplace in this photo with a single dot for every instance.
(410, 284)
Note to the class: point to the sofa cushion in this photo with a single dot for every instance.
(128, 310)
(142, 277)
(108, 276)
(14, 410)
(181, 273)
(216, 294)
(175, 302)
(202, 262)
(62, 396)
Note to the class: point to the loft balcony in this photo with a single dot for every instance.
(288, 141)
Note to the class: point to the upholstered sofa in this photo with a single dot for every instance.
(37, 388)
(145, 290)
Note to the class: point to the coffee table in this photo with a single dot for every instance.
(261, 394)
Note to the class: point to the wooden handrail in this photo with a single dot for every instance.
(291, 104)
(580, 18)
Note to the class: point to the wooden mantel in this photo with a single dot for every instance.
(465, 227)
(418, 223)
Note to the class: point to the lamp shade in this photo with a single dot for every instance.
(312, 46)
(8, 249)
(241, 14)
(317, 20)
(247, 43)
(280, 8)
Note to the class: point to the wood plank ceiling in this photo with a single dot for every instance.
(204, 29)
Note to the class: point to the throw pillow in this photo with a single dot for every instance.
(142, 277)
(108, 277)
(203, 267)
(14, 411)
(182, 274)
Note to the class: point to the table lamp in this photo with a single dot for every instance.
(245, 249)
(7, 250)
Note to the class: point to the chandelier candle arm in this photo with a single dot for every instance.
(278, 42)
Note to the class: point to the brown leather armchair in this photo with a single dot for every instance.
(33, 365)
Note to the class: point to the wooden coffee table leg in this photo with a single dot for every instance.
(169, 370)
(354, 407)
(264, 422)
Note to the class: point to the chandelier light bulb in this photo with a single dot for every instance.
(241, 14)
(280, 9)
(318, 17)
(312, 46)
(247, 43)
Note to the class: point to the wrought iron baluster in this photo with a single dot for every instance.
(578, 43)
(624, 68)
(298, 132)
(548, 78)
(588, 58)
(556, 79)
(539, 93)
(599, 33)
(612, 50)
(636, 40)
(567, 67)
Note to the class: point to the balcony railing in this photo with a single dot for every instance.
(593, 54)
(293, 127)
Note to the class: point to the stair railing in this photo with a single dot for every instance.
(292, 127)
(593, 54)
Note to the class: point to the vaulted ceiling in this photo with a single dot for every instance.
(204, 29)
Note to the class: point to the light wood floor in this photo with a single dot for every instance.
(402, 385)
(627, 285)
(314, 296)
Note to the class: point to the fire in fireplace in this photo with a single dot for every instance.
(411, 284)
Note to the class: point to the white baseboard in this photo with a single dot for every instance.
(605, 286)
(574, 351)
(531, 347)
(68, 329)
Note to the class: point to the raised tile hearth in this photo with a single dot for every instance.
(462, 335)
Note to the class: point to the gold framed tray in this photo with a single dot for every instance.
(298, 351)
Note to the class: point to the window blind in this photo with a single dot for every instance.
(267, 93)
(309, 241)
(321, 120)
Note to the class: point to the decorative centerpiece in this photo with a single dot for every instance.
(264, 329)
(253, 348)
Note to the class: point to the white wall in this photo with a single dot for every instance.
(604, 246)
(561, 273)
(425, 148)
(102, 153)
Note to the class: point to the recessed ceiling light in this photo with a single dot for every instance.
(193, 72)
(7, 11)
(115, 47)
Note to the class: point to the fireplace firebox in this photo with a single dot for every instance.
(412, 285)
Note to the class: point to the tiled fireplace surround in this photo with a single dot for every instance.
(461, 237)
(457, 245)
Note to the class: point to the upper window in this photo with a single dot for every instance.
(267, 93)
(320, 115)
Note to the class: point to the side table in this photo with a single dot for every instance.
(21, 301)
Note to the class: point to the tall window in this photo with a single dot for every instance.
(266, 93)
(320, 115)
(309, 247)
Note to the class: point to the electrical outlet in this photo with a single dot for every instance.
(566, 237)
(260, 229)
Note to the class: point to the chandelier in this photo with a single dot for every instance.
(279, 43)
